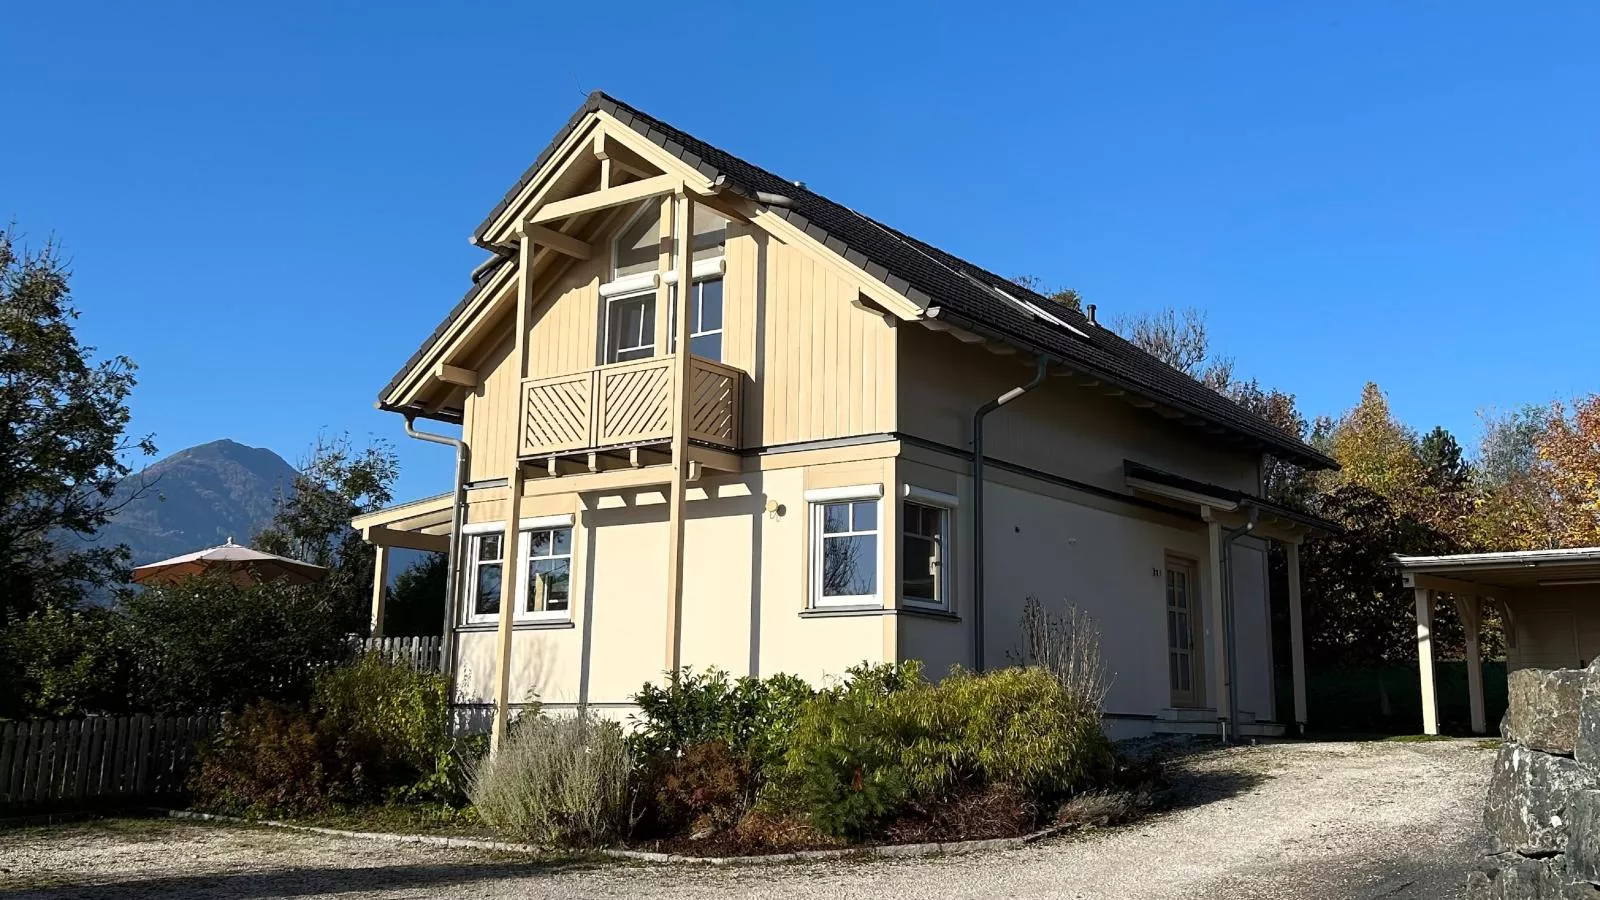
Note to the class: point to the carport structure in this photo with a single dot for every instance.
(1549, 601)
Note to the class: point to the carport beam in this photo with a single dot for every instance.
(380, 586)
(1430, 699)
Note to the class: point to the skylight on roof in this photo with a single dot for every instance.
(1039, 312)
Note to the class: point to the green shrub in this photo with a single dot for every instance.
(389, 724)
(268, 758)
(887, 739)
(746, 714)
(560, 781)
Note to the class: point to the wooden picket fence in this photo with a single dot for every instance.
(420, 652)
(55, 764)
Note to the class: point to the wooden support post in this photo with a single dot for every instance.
(1471, 608)
(1219, 628)
(510, 560)
(1430, 699)
(380, 587)
(682, 255)
(1297, 635)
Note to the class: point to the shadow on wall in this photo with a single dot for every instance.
(1353, 700)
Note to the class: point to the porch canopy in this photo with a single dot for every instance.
(1228, 513)
(419, 525)
(1549, 601)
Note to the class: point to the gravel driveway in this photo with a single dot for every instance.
(1325, 820)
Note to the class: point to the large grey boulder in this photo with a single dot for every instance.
(1526, 809)
(1542, 709)
(1520, 878)
(1583, 843)
(1588, 744)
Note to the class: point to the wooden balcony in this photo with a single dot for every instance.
(620, 409)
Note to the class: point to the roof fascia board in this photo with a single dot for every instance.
(401, 512)
(405, 393)
(533, 194)
(1173, 493)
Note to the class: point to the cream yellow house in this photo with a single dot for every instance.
(796, 493)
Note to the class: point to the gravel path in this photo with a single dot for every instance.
(1324, 820)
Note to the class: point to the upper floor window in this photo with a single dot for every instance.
(631, 326)
(705, 319)
(638, 247)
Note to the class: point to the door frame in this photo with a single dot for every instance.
(1196, 696)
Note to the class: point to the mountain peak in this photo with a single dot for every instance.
(197, 498)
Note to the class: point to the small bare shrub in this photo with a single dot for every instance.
(1067, 644)
(559, 781)
(1099, 809)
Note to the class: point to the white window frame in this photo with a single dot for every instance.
(698, 310)
(944, 581)
(519, 612)
(650, 328)
(815, 501)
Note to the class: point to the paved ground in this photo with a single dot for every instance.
(1333, 820)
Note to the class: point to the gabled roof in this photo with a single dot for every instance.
(967, 295)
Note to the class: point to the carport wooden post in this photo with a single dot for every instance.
(1219, 628)
(1297, 635)
(380, 585)
(1430, 698)
(1471, 609)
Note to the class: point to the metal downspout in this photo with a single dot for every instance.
(458, 509)
(1043, 365)
(1230, 662)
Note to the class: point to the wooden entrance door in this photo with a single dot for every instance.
(1183, 616)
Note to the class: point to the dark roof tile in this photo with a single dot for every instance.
(960, 288)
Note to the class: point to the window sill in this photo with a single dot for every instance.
(928, 612)
(837, 612)
(553, 624)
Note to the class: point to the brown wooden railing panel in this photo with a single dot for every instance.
(635, 402)
(627, 403)
(557, 414)
(714, 403)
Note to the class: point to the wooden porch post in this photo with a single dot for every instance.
(380, 587)
(510, 559)
(1471, 608)
(1219, 628)
(1430, 699)
(683, 257)
(1297, 635)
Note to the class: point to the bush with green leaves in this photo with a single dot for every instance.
(561, 781)
(390, 727)
(751, 716)
(375, 732)
(888, 740)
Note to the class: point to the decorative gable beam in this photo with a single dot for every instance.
(555, 240)
(455, 375)
(631, 192)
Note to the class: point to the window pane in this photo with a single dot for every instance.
(835, 517)
(710, 233)
(538, 543)
(489, 546)
(919, 572)
(563, 542)
(488, 601)
(559, 580)
(639, 245)
(849, 566)
(866, 515)
(707, 346)
(631, 328)
(710, 318)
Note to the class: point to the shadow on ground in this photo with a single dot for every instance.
(299, 882)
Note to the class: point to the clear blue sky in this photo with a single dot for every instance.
(267, 208)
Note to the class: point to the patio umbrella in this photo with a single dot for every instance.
(245, 567)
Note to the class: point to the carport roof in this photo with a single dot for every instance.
(1515, 569)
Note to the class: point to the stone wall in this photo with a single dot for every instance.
(1543, 808)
